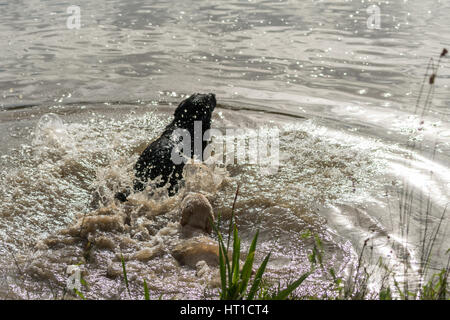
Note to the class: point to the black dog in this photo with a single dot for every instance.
(156, 160)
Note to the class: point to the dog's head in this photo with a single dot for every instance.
(197, 107)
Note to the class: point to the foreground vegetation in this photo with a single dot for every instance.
(235, 281)
(238, 284)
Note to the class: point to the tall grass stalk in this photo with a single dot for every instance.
(125, 277)
(407, 195)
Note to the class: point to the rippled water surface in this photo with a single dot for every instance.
(359, 158)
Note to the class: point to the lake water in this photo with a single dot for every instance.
(359, 157)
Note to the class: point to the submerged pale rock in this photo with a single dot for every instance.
(196, 214)
(191, 251)
(148, 253)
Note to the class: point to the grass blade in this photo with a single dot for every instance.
(146, 292)
(124, 269)
(258, 277)
(223, 276)
(232, 217)
(286, 292)
(224, 251)
(236, 255)
(79, 294)
(247, 268)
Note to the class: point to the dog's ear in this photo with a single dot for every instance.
(182, 112)
(185, 109)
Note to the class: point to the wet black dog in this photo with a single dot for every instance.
(156, 160)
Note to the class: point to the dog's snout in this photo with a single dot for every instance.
(212, 98)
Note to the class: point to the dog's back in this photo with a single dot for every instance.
(156, 160)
